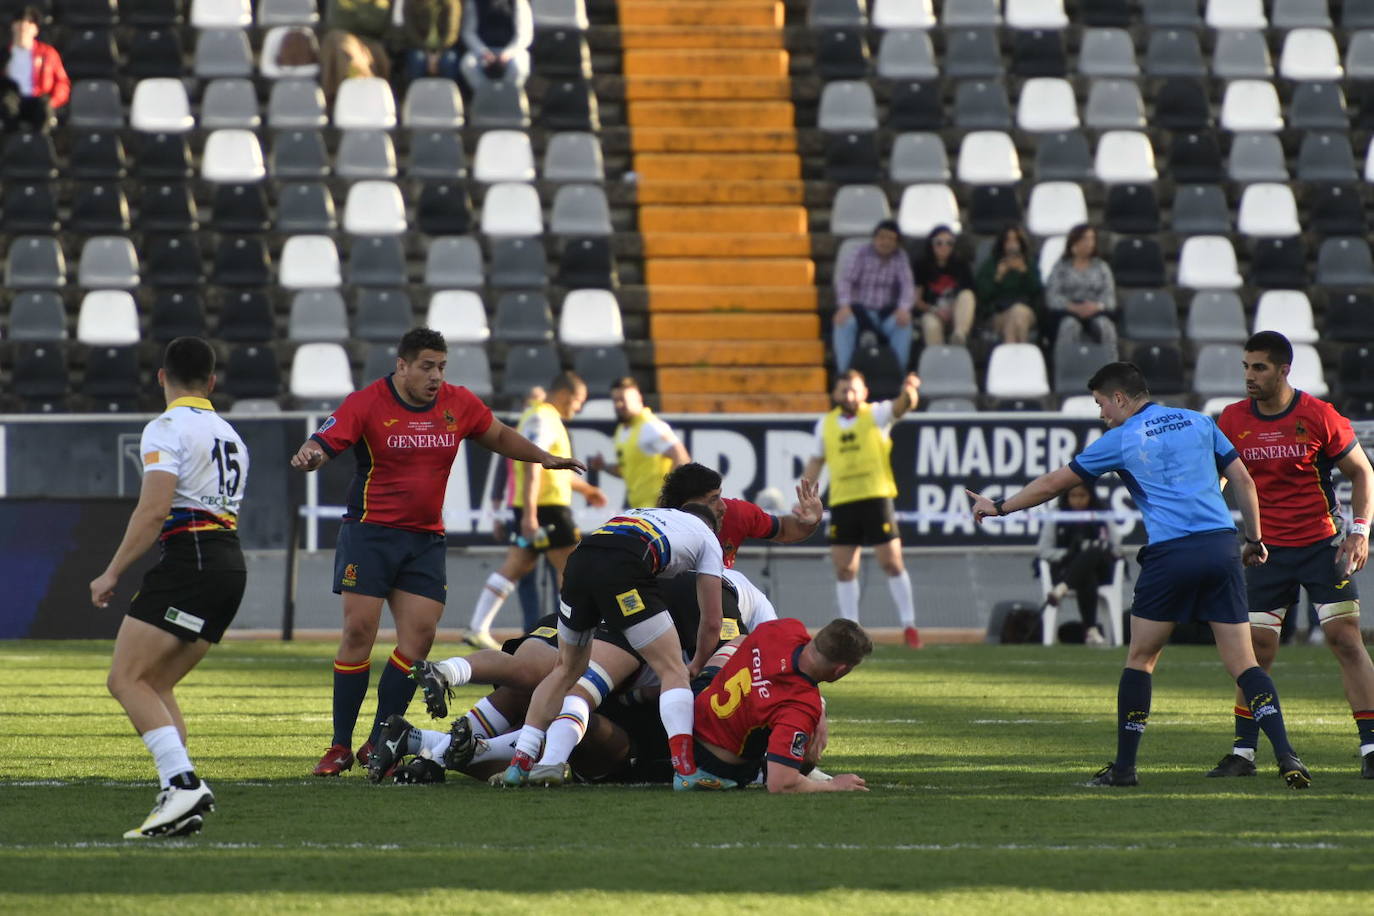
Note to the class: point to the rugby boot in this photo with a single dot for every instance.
(1293, 772)
(365, 752)
(335, 760)
(481, 639)
(462, 744)
(419, 770)
(1110, 775)
(391, 747)
(701, 780)
(1367, 766)
(550, 774)
(1233, 765)
(517, 774)
(178, 812)
(435, 686)
(912, 637)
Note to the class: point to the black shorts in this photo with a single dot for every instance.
(193, 596)
(606, 583)
(557, 522)
(375, 560)
(743, 774)
(1196, 577)
(1313, 567)
(863, 523)
(545, 630)
(682, 604)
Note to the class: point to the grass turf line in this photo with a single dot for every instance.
(976, 756)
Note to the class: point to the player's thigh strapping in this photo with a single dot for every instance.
(1195, 577)
(1273, 587)
(613, 585)
(863, 523)
(374, 560)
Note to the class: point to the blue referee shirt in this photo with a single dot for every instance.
(1169, 458)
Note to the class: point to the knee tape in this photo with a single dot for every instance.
(1269, 620)
(1337, 609)
(567, 634)
(597, 682)
(646, 631)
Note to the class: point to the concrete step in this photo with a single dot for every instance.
(702, 353)
(730, 271)
(744, 403)
(766, 326)
(662, 191)
(703, 62)
(725, 244)
(649, 37)
(718, 167)
(704, 140)
(691, 13)
(711, 115)
(639, 88)
(753, 380)
(723, 219)
(667, 299)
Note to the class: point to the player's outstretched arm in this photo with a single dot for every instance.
(708, 629)
(805, 516)
(503, 440)
(594, 496)
(1040, 490)
(784, 780)
(812, 471)
(910, 396)
(1354, 550)
(309, 457)
(1247, 500)
(145, 522)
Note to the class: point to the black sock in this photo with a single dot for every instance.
(350, 687)
(1263, 699)
(1364, 721)
(1247, 731)
(394, 690)
(1132, 712)
(187, 780)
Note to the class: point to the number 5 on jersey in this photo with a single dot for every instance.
(736, 689)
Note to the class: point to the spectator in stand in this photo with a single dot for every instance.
(944, 290)
(429, 30)
(874, 291)
(497, 35)
(1080, 292)
(354, 42)
(1008, 285)
(1081, 555)
(40, 82)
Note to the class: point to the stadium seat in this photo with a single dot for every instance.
(1336, 210)
(29, 207)
(1125, 157)
(246, 315)
(1217, 371)
(108, 318)
(523, 316)
(1287, 311)
(37, 315)
(1318, 106)
(468, 366)
(517, 263)
(1268, 210)
(1104, 13)
(98, 208)
(1200, 209)
(1279, 263)
(1344, 262)
(432, 103)
(1051, 252)
(95, 154)
(1162, 366)
(1063, 156)
(903, 14)
(925, 206)
(240, 208)
(232, 157)
(241, 261)
(1107, 52)
(1216, 316)
(503, 155)
(1174, 52)
(459, 315)
(573, 156)
(95, 104)
(1181, 103)
(841, 53)
(1017, 370)
(1256, 157)
(852, 158)
(528, 365)
(161, 106)
(108, 262)
(982, 105)
(176, 313)
(221, 14)
(383, 315)
(1356, 373)
(580, 209)
(287, 12)
(1349, 316)
(1149, 315)
(559, 53)
(590, 318)
(847, 105)
(222, 52)
(310, 262)
(1326, 157)
(436, 154)
(320, 375)
(834, 12)
(230, 103)
(269, 56)
(903, 54)
(40, 376)
(167, 207)
(1114, 104)
(35, 262)
(918, 157)
(1055, 207)
(454, 262)
(570, 104)
(1075, 363)
(1039, 52)
(374, 208)
(172, 260)
(971, 13)
(1297, 14)
(1251, 105)
(365, 154)
(1195, 158)
(992, 208)
(306, 208)
(252, 372)
(377, 260)
(511, 209)
(1310, 54)
(1359, 56)
(1241, 54)
(586, 264)
(571, 14)
(317, 314)
(444, 209)
(1236, 14)
(972, 53)
(29, 156)
(857, 209)
(947, 372)
(1036, 14)
(296, 103)
(988, 157)
(1208, 262)
(157, 53)
(111, 381)
(1138, 262)
(600, 367)
(100, 14)
(1047, 105)
(499, 105)
(1131, 208)
(914, 105)
(1079, 405)
(1307, 373)
(365, 103)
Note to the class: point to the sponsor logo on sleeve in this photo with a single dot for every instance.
(151, 458)
(327, 425)
(799, 740)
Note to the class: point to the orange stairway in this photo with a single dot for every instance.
(727, 255)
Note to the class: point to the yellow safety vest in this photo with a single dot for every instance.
(555, 487)
(859, 458)
(643, 472)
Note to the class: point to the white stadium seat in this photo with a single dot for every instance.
(1125, 157)
(1036, 14)
(160, 106)
(503, 155)
(221, 14)
(1208, 262)
(1289, 312)
(310, 262)
(1055, 207)
(374, 208)
(511, 209)
(903, 14)
(988, 157)
(1268, 210)
(459, 315)
(1310, 54)
(1017, 370)
(232, 156)
(365, 103)
(1307, 374)
(1251, 105)
(320, 372)
(925, 206)
(1236, 14)
(108, 318)
(1047, 105)
(591, 318)
(857, 208)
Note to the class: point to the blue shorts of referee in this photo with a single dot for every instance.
(1195, 577)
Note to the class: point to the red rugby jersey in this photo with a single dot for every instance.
(404, 453)
(744, 520)
(759, 705)
(1290, 456)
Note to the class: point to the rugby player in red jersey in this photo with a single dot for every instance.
(1289, 441)
(404, 431)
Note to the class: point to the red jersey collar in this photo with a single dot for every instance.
(796, 666)
(1292, 406)
(391, 386)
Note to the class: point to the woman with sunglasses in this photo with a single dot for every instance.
(944, 290)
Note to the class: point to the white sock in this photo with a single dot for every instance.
(434, 743)
(486, 720)
(530, 740)
(498, 747)
(1366, 750)
(456, 671)
(848, 595)
(900, 587)
(1247, 752)
(496, 591)
(566, 730)
(675, 709)
(169, 754)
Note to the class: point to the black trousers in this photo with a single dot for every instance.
(1083, 571)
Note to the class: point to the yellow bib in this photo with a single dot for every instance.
(643, 473)
(859, 458)
(555, 487)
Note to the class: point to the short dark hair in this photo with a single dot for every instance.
(29, 14)
(566, 381)
(687, 481)
(189, 362)
(417, 339)
(1124, 377)
(1278, 347)
(625, 381)
(843, 642)
(703, 513)
(888, 225)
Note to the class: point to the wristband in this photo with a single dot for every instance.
(997, 504)
(1254, 542)
(1360, 526)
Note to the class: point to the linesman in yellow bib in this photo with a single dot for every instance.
(541, 512)
(646, 448)
(855, 440)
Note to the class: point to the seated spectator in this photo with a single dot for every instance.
(1081, 555)
(354, 42)
(1080, 292)
(874, 292)
(429, 31)
(40, 82)
(290, 52)
(1009, 289)
(497, 35)
(944, 290)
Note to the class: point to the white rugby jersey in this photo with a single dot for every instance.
(209, 460)
(676, 541)
(754, 606)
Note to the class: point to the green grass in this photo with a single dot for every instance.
(976, 757)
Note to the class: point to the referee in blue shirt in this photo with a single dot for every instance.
(1172, 460)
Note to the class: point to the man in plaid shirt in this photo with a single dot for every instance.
(874, 291)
